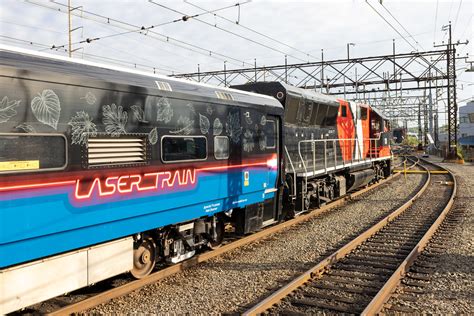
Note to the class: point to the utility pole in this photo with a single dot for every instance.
(452, 103)
(199, 73)
(225, 73)
(69, 26)
(349, 44)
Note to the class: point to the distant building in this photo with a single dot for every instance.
(466, 129)
(466, 120)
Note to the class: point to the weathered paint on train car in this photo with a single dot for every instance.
(60, 119)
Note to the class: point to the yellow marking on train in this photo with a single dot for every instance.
(19, 165)
(422, 171)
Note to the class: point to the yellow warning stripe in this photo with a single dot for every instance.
(422, 171)
(19, 165)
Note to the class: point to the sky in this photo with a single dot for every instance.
(302, 29)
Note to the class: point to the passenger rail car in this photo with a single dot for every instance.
(331, 146)
(104, 171)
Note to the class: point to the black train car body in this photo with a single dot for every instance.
(331, 145)
(105, 170)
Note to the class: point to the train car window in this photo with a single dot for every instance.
(315, 113)
(308, 111)
(32, 152)
(322, 111)
(183, 148)
(344, 111)
(270, 133)
(301, 110)
(221, 147)
(363, 113)
(291, 109)
(331, 116)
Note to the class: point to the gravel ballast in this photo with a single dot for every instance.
(450, 289)
(238, 279)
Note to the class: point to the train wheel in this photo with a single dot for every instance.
(144, 258)
(220, 229)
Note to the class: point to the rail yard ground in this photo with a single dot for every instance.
(234, 281)
(450, 289)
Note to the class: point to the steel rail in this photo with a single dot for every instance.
(384, 294)
(323, 265)
(108, 295)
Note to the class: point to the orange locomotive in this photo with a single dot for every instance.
(331, 146)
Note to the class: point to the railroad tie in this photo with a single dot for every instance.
(365, 269)
(374, 264)
(352, 281)
(343, 273)
(322, 305)
(330, 287)
(412, 282)
(333, 297)
(402, 309)
(407, 297)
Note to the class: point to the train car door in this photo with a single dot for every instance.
(359, 146)
(271, 130)
(365, 123)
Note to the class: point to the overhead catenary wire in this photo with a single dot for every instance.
(47, 47)
(457, 16)
(403, 37)
(229, 32)
(137, 29)
(403, 27)
(436, 21)
(253, 31)
(99, 57)
(145, 29)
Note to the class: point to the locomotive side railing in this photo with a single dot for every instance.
(331, 160)
(293, 193)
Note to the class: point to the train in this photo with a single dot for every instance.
(106, 170)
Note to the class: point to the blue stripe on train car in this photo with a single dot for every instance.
(42, 222)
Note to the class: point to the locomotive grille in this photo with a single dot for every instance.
(224, 95)
(105, 151)
(165, 86)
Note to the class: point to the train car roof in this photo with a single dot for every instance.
(310, 94)
(289, 89)
(380, 113)
(28, 59)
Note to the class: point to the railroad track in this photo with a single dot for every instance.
(105, 291)
(360, 276)
(417, 279)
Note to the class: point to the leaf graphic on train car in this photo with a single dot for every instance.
(137, 112)
(184, 126)
(7, 109)
(90, 98)
(26, 128)
(217, 127)
(209, 110)
(248, 119)
(262, 140)
(233, 128)
(164, 112)
(191, 108)
(47, 108)
(204, 124)
(82, 127)
(153, 136)
(114, 119)
(248, 142)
